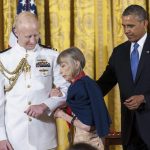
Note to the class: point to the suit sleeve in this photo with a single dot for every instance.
(146, 104)
(108, 79)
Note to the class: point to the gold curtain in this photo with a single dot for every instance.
(92, 25)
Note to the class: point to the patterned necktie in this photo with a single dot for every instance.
(134, 60)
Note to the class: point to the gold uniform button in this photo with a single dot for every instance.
(28, 86)
(30, 119)
(29, 103)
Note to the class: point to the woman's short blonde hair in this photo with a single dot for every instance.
(73, 53)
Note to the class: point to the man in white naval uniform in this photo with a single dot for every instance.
(27, 73)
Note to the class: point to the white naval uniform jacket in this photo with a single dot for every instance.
(22, 131)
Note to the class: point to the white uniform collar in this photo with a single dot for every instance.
(22, 50)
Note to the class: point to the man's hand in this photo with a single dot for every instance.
(36, 110)
(134, 102)
(5, 145)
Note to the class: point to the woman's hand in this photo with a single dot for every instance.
(59, 113)
(56, 92)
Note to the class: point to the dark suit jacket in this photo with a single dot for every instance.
(118, 71)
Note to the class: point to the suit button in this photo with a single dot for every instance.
(29, 102)
(30, 119)
(28, 86)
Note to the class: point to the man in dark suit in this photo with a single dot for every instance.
(134, 84)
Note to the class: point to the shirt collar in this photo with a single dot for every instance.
(79, 76)
(141, 41)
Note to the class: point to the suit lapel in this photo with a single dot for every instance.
(144, 56)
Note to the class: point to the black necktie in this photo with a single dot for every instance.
(134, 60)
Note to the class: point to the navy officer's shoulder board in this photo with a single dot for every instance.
(5, 50)
(49, 47)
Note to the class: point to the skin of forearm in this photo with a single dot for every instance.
(67, 117)
(77, 123)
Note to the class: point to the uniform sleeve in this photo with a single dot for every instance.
(58, 81)
(2, 105)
